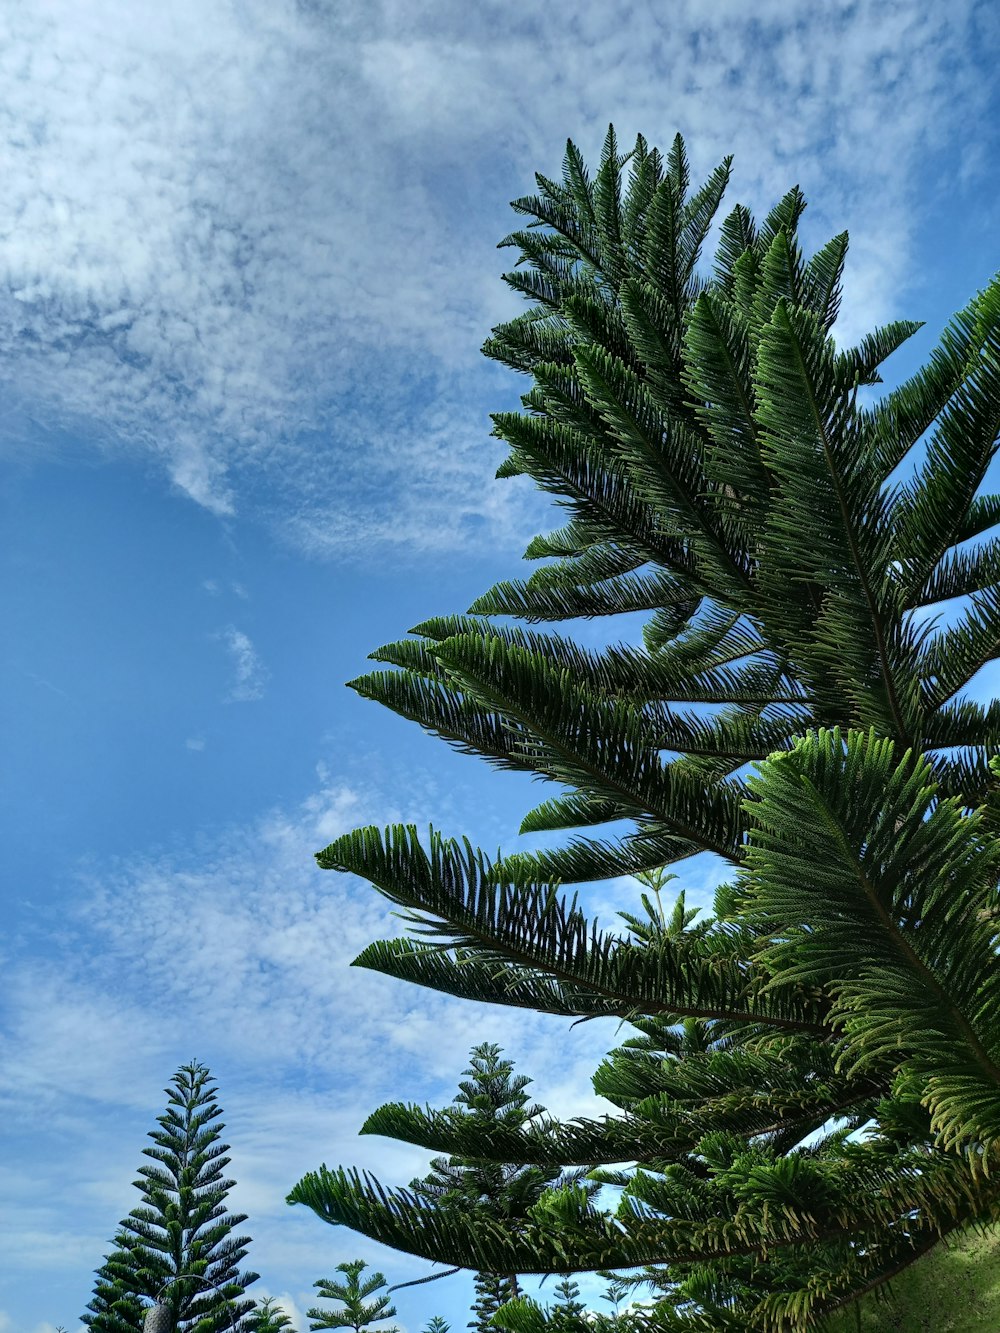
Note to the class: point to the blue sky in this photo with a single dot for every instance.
(247, 259)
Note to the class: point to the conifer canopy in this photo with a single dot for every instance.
(490, 1098)
(178, 1247)
(364, 1303)
(813, 1099)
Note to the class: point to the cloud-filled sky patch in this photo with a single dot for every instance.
(240, 948)
(254, 242)
(247, 261)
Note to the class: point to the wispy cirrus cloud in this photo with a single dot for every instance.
(249, 673)
(256, 242)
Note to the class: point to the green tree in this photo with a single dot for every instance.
(492, 1292)
(437, 1324)
(490, 1095)
(179, 1244)
(270, 1317)
(796, 708)
(567, 1315)
(357, 1311)
(615, 1292)
(569, 1309)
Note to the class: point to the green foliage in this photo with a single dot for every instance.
(492, 1293)
(568, 1311)
(178, 1246)
(490, 1099)
(356, 1311)
(813, 1097)
(270, 1317)
(615, 1292)
(567, 1314)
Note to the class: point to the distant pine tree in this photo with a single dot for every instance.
(569, 1310)
(270, 1318)
(568, 1293)
(179, 1244)
(491, 1095)
(492, 1291)
(357, 1312)
(567, 1315)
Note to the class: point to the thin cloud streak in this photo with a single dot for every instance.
(250, 674)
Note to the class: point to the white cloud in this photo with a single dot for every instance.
(42, 683)
(196, 743)
(236, 951)
(250, 674)
(214, 588)
(257, 241)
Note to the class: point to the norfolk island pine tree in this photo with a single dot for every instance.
(792, 709)
(182, 1230)
(357, 1310)
(489, 1094)
(271, 1318)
